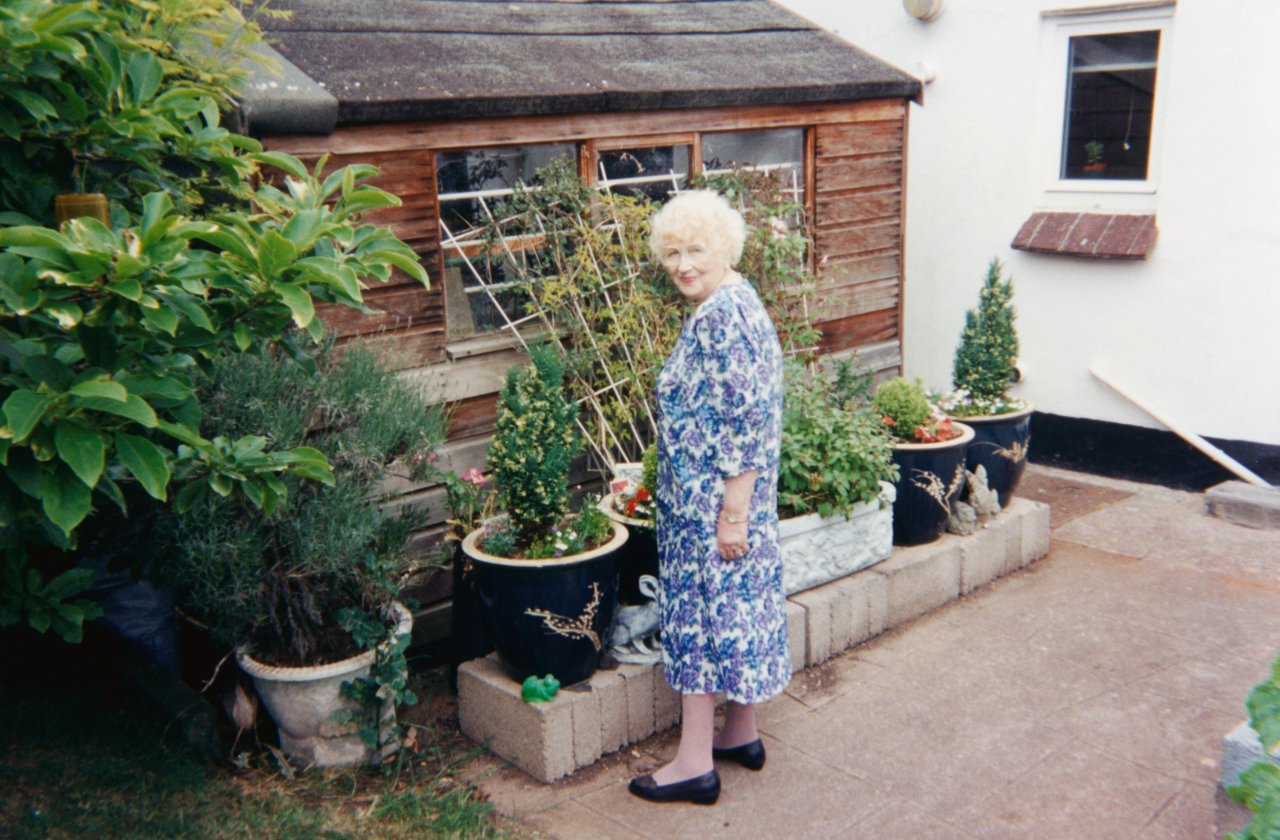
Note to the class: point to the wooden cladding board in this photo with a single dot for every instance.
(858, 222)
(409, 320)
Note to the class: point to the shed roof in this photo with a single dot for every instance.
(393, 60)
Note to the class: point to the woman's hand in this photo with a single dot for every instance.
(731, 526)
(731, 538)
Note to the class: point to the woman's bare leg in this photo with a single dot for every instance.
(739, 726)
(697, 728)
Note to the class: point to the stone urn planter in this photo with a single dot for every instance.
(817, 549)
(930, 475)
(304, 700)
(1000, 444)
(548, 616)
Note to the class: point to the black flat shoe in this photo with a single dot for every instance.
(750, 756)
(700, 790)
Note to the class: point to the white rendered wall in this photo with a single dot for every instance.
(1195, 328)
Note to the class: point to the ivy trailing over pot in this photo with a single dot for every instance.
(1259, 785)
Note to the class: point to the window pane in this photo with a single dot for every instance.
(654, 171)
(464, 173)
(1110, 94)
(781, 151)
(467, 183)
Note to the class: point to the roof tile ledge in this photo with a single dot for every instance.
(1103, 236)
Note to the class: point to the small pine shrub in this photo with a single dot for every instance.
(534, 441)
(988, 351)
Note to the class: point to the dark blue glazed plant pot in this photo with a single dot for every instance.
(1000, 444)
(548, 616)
(638, 557)
(930, 475)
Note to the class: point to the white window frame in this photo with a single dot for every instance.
(1060, 27)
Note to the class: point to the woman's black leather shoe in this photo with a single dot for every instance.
(700, 790)
(750, 756)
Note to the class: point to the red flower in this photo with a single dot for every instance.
(643, 494)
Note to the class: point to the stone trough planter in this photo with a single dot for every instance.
(818, 549)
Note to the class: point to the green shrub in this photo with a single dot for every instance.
(986, 358)
(1259, 785)
(280, 582)
(834, 455)
(903, 406)
(534, 441)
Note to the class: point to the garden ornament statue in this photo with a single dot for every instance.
(981, 505)
(634, 635)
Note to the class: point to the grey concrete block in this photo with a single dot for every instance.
(921, 579)
(1037, 533)
(610, 692)
(1240, 749)
(854, 603)
(536, 737)
(588, 739)
(797, 634)
(1245, 504)
(817, 624)
(640, 707)
(983, 556)
(877, 604)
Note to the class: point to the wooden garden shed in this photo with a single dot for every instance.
(456, 99)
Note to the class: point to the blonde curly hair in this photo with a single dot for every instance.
(703, 216)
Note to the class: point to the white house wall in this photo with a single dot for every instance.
(1195, 328)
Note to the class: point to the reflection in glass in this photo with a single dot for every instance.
(654, 171)
(1110, 99)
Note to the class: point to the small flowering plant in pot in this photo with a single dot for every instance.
(929, 451)
(467, 501)
(985, 367)
(633, 502)
(546, 578)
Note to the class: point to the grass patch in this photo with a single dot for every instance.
(82, 755)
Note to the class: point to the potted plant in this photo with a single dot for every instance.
(467, 503)
(985, 367)
(547, 579)
(632, 502)
(305, 590)
(835, 488)
(929, 451)
(1094, 165)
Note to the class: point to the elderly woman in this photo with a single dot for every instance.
(719, 401)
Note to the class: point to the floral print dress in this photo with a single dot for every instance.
(719, 397)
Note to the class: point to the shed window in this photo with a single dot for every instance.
(471, 187)
(1111, 84)
(780, 151)
(653, 171)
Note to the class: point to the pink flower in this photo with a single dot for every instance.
(473, 476)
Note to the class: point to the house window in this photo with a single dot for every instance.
(1111, 83)
(471, 186)
(1104, 72)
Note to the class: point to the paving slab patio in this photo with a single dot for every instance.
(1083, 697)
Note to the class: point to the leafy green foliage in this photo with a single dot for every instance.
(834, 454)
(387, 685)
(775, 257)
(1259, 786)
(279, 580)
(988, 351)
(534, 441)
(104, 329)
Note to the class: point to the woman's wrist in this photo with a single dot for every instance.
(733, 518)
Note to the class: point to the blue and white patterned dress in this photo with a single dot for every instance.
(719, 396)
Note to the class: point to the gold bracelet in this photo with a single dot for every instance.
(733, 520)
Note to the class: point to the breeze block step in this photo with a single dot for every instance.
(616, 708)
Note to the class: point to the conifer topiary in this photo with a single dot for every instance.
(988, 352)
(534, 441)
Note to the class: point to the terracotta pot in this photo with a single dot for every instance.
(548, 616)
(303, 701)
